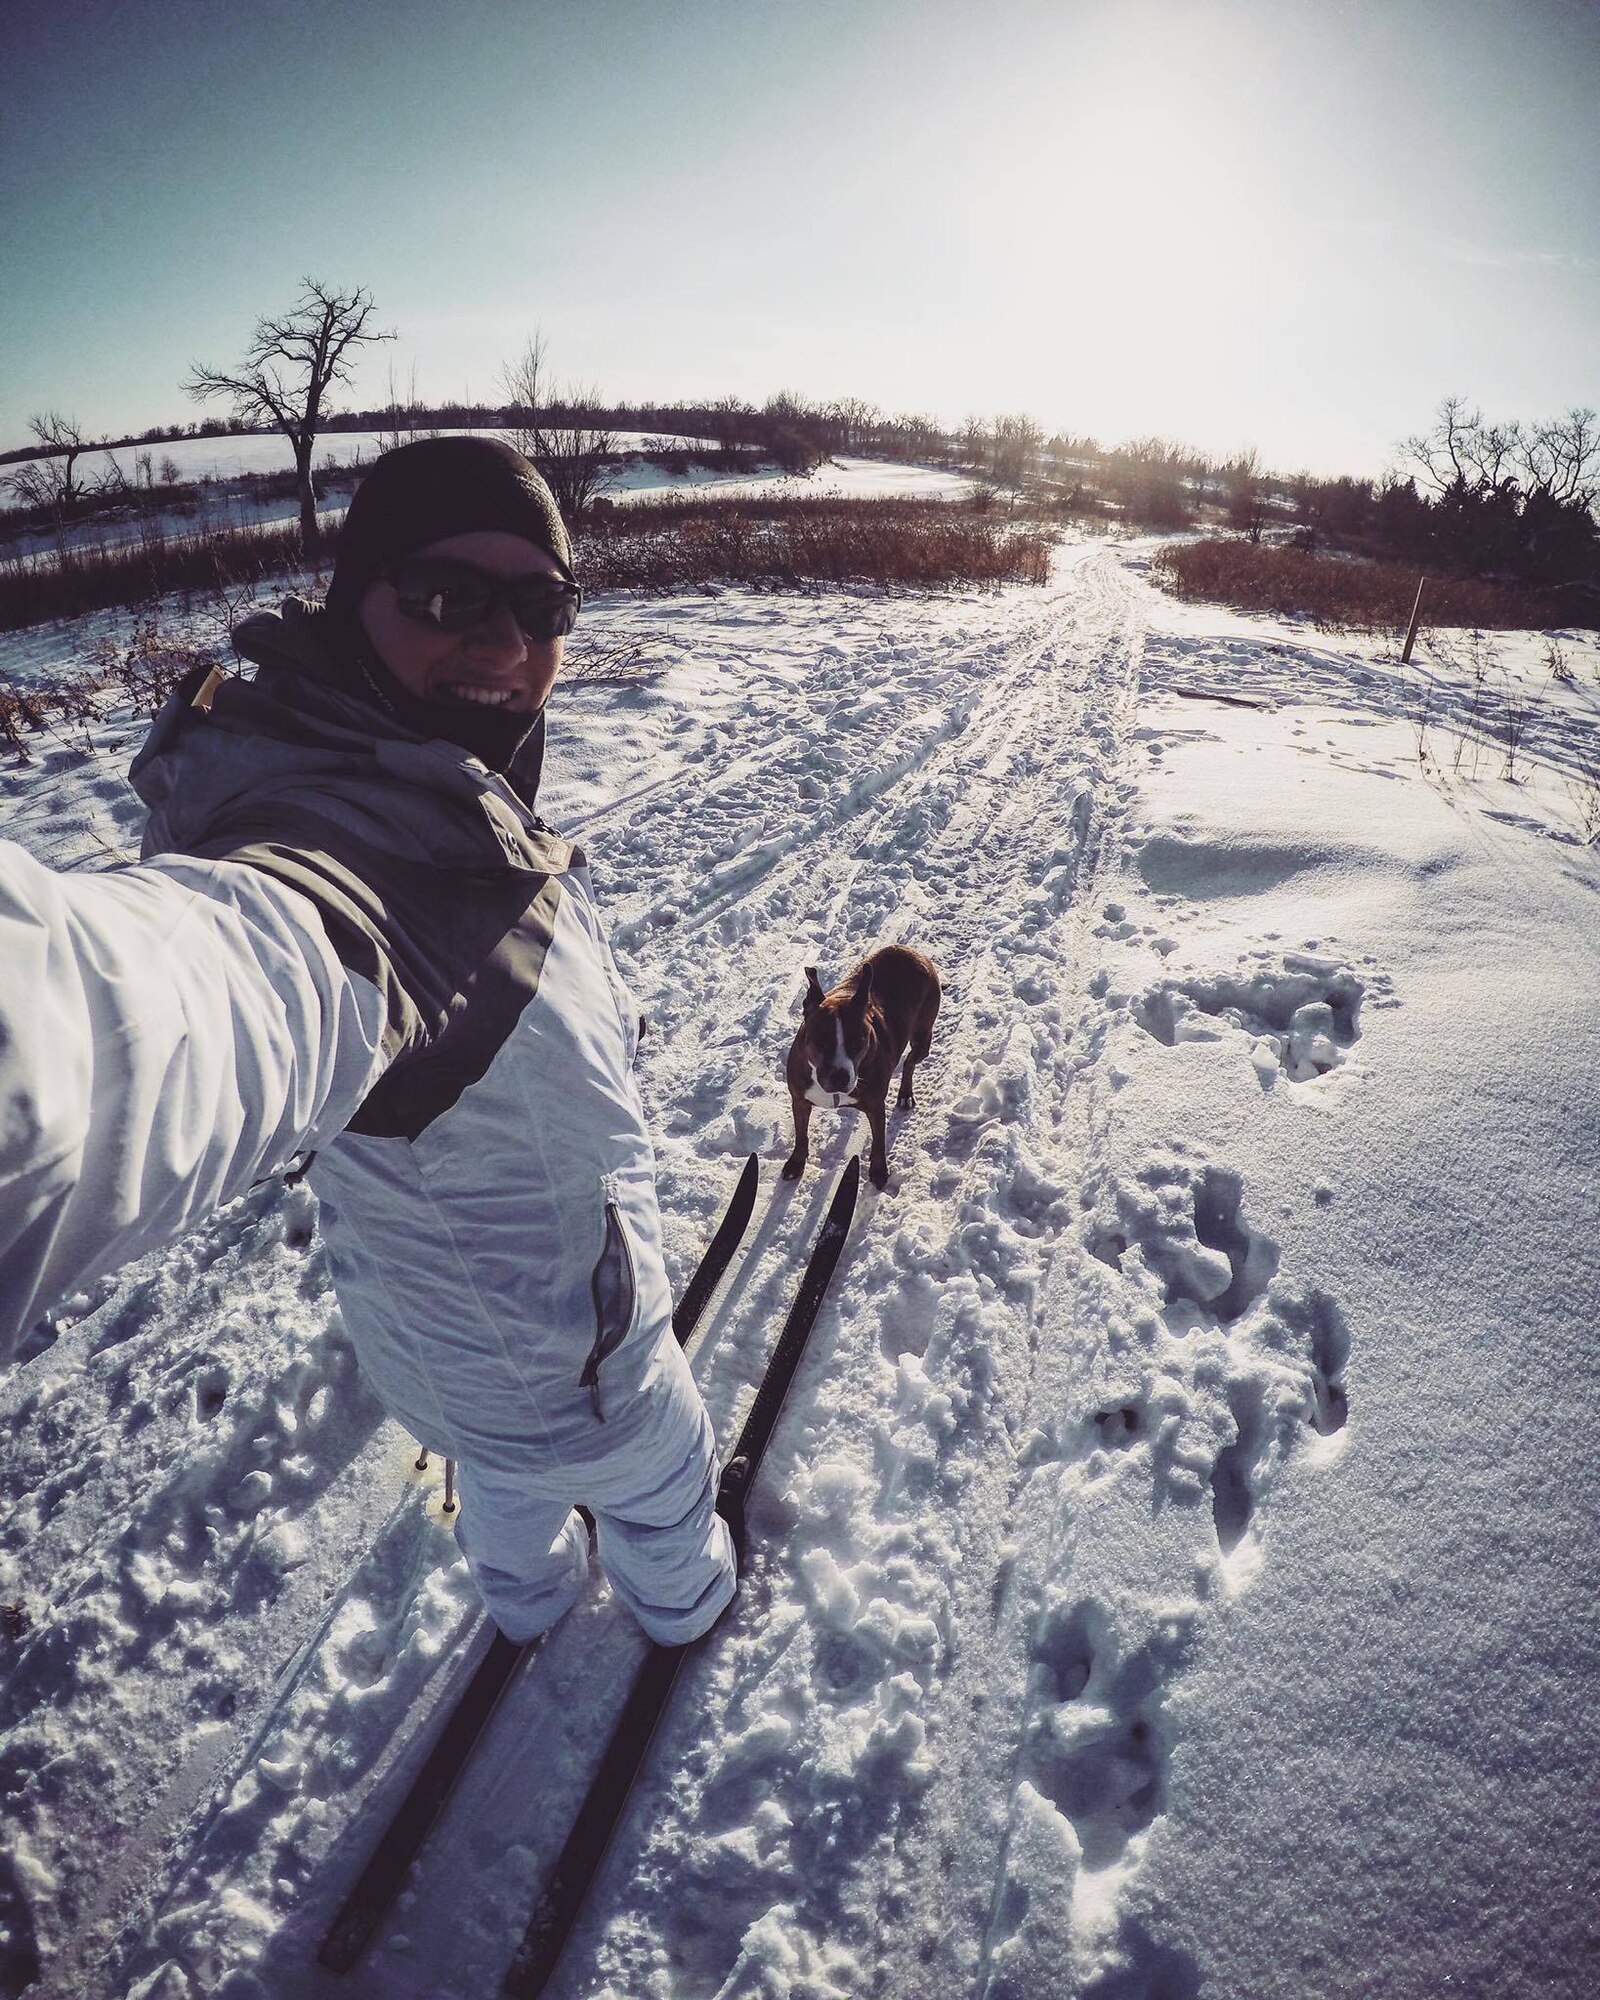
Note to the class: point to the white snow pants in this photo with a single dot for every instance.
(666, 1553)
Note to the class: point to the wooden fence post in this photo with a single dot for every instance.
(1411, 629)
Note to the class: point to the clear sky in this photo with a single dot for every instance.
(1292, 223)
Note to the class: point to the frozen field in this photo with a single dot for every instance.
(227, 457)
(1176, 1572)
(222, 459)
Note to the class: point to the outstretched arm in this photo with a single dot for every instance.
(168, 1034)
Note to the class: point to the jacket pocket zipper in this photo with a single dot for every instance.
(615, 1290)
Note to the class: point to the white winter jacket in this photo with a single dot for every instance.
(347, 941)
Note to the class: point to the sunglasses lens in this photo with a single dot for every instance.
(542, 613)
(454, 598)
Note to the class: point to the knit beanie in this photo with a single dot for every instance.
(433, 489)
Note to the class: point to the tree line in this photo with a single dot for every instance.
(1475, 496)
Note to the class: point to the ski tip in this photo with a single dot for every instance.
(849, 1181)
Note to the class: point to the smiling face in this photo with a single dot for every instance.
(491, 665)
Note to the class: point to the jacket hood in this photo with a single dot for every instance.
(295, 733)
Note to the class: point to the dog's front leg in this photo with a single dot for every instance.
(878, 1165)
(905, 1101)
(921, 1042)
(795, 1165)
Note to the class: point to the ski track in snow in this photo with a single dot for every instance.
(1030, 1458)
(829, 1702)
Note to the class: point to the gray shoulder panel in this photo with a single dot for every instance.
(457, 953)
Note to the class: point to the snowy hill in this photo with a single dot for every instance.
(1175, 1573)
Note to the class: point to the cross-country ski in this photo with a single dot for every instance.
(563, 1895)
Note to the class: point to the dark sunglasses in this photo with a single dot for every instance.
(453, 597)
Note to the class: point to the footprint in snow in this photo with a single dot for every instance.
(1187, 1226)
(1097, 1743)
(1219, 1226)
(1300, 1011)
(1146, 1969)
(1182, 1227)
(1064, 1650)
(19, 1951)
(1108, 1247)
(212, 1381)
(1309, 1323)
(1120, 1425)
(1316, 1319)
(1233, 1493)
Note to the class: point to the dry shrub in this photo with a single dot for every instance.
(148, 665)
(1584, 788)
(144, 668)
(74, 579)
(647, 545)
(588, 659)
(1345, 593)
(784, 544)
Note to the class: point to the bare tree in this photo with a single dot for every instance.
(1563, 457)
(856, 421)
(1461, 451)
(51, 479)
(526, 381)
(576, 452)
(1241, 485)
(729, 422)
(287, 371)
(570, 452)
(919, 435)
(1438, 454)
(973, 444)
(1013, 446)
(400, 412)
(1560, 459)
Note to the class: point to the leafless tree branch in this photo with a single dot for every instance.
(51, 481)
(288, 368)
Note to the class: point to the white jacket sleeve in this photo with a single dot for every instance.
(168, 1034)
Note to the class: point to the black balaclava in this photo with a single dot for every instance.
(419, 494)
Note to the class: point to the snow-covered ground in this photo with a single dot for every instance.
(834, 479)
(218, 507)
(226, 457)
(1176, 1571)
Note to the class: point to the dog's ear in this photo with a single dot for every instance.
(813, 997)
(863, 992)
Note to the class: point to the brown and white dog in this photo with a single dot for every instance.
(851, 1039)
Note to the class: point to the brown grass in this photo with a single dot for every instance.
(94, 576)
(649, 546)
(1350, 594)
(787, 544)
(778, 544)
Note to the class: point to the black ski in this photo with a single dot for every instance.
(601, 1812)
(719, 1254)
(385, 1874)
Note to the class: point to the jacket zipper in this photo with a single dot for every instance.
(613, 1279)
